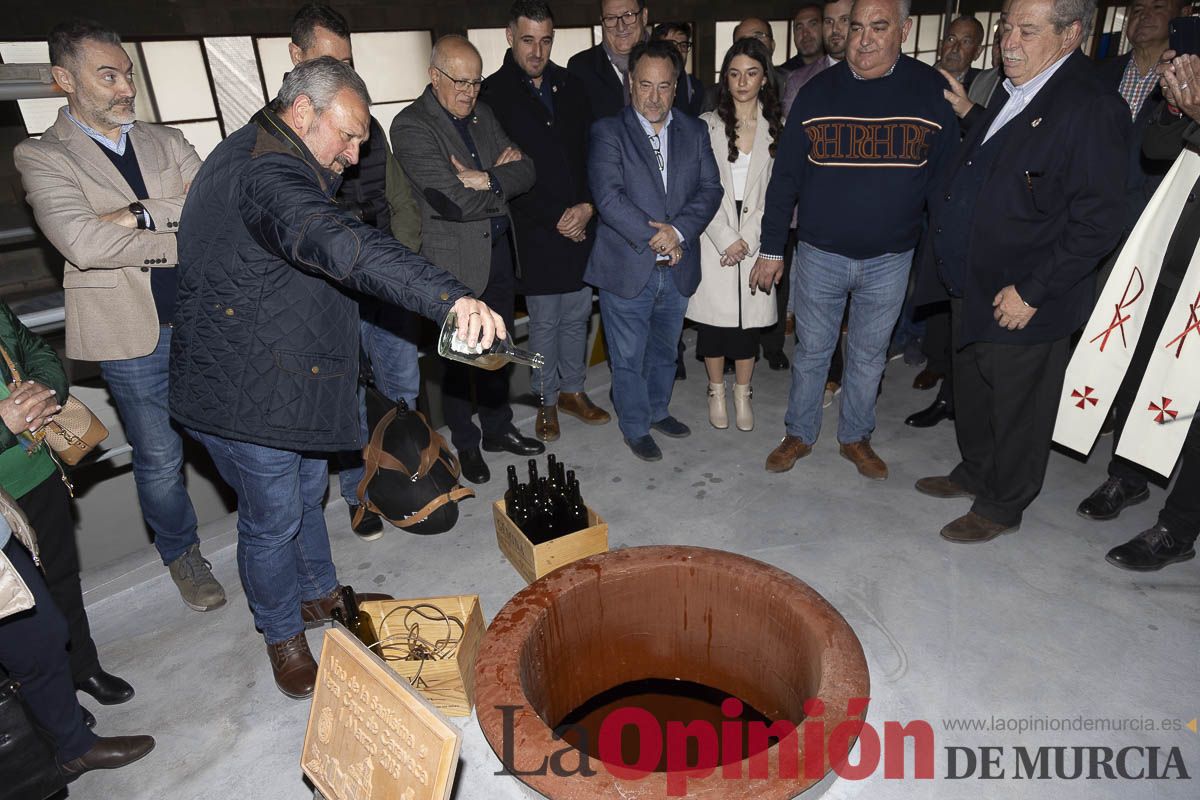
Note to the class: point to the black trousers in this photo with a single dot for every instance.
(48, 508)
(1012, 391)
(33, 649)
(1181, 514)
(491, 387)
(937, 350)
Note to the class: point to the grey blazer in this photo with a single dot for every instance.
(455, 221)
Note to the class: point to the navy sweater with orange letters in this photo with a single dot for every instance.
(858, 156)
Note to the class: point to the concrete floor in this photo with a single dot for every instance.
(1033, 625)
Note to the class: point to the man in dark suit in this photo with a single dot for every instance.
(689, 92)
(959, 49)
(465, 170)
(543, 108)
(655, 183)
(605, 67)
(1029, 206)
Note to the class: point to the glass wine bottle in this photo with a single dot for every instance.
(500, 353)
(358, 622)
(510, 497)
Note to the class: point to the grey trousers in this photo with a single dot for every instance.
(558, 326)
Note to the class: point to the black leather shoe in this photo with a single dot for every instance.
(928, 417)
(370, 527)
(1113, 496)
(113, 752)
(669, 426)
(777, 361)
(109, 690)
(474, 468)
(680, 372)
(645, 448)
(1153, 548)
(513, 442)
(89, 719)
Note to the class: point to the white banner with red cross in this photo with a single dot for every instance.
(1169, 393)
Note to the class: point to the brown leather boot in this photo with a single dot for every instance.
(787, 453)
(294, 667)
(869, 464)
(546, 427)
(112, 752)
(578, 405)
(317, 612)
(972, 528)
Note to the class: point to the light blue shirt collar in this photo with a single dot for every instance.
(117, 147)
(1021, 96)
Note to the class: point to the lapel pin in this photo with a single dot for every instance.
(1036, 122)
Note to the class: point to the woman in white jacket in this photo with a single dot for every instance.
(745, 130)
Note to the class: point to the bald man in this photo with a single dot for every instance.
(465, 169)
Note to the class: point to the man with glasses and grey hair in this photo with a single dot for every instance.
(465, 170)
(264, 361)
(604, 69)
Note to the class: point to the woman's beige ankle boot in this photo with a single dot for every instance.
(717, 415)
(741, 406)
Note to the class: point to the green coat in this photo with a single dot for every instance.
(35, 360)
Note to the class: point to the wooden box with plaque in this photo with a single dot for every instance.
(431, 642)
(370, 736)
(535, 560)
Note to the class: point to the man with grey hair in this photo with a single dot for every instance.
(264, 363)
(1027, 209)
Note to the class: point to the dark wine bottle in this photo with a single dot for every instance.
(358, 622)
(578, 511)
(533, 472)
(520, 515)
(511, 495)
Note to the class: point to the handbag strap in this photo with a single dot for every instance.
(12, 368)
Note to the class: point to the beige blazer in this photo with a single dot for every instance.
(723, 297)
(110, 311)
(14, 594)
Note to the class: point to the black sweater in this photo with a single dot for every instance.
(858, 157)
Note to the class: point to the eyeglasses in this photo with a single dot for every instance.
(460, 84)
(683, 46)
(760, 35)
(625, 19)
(656, 143)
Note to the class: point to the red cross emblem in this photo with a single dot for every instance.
(1193, 324)
(1085, 397)
(1119, 319)
(1165, 413)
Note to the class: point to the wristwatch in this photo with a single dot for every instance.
(139, 211)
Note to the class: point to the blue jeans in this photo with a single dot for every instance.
(139, 388)
(283, 546)
(642, 333)
(558, 325)
(876, 288)
(389, 336)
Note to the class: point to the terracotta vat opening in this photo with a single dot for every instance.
(724, 623)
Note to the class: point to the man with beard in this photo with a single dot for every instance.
(806, 33)
(604, 69)
(107, 191)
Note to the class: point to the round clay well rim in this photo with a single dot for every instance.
(844, 675)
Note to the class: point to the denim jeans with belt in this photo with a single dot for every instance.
(139, 388)
(642, 333)
(823, 281)
(558, 325)
(283, 546)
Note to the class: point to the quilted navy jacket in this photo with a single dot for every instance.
(265, 347)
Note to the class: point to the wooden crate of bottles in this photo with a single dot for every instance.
(535, 560)
(450, 683)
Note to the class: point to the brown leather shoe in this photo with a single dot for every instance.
(941, 487)
(785, 455)
(315, 613)
(971, 528)
(294, 667)
(580, 406)
(927, 379)
(546, 427)
(869, 464)
(112, 752)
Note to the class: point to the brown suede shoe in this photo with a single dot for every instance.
(869, 464)
(112, 752)
(787, 453)
(941, 487)
(578, 405)
(294, 667)
(971, 528)
(927, 379)
(546, 427)
(316, 613)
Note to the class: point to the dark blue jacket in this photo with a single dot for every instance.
(1052, 208)
(265, 348)
(628, 193)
